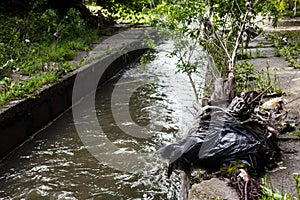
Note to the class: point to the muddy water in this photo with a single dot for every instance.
(55, 164)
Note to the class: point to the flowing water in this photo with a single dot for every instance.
(55, 163)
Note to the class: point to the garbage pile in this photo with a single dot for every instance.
(245, 131)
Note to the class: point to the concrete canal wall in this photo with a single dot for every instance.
(20, 121)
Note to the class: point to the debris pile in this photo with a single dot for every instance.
(244, 131)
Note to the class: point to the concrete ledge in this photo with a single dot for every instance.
(20, 121)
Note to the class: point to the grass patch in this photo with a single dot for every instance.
(249, 78)
(288, 46)
(269, 193)
(24, 89)
(296, 133)
(40, 45)
(60, 52)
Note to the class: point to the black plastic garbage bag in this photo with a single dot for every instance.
(220, 140)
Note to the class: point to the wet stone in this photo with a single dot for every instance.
(212, 189)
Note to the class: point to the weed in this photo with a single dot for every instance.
(245, 75)
(269, 193)
(5, 69)
(244, 56)
(24, 89)
(6, 82)
(231, 168)
(296, 178)
(60, 52)
(265, 80)
(277, 53)
(258, 54)
(289, 49)
(65, 68)
(79, 44)
(40, 45)
(31, 66)
(248, 78)
(296, 133)
(81, 63)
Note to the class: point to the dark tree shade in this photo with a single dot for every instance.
(14, 6)
(64, 6)
(23, 6)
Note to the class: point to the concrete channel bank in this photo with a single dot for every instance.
(20, 120)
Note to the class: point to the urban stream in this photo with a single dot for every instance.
(55, 163)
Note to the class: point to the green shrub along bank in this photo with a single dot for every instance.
(36, 49)
(40, 38)
(24, 89)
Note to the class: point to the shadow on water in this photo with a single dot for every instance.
(55, 164)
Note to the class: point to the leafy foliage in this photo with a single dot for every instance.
(39, 41)
(268, 192)
(248, 78)
(23, 89)
(290, 48)
(41, 46)
(218, 25)
(120, 11)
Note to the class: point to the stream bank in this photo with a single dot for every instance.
(281, 179)
(56, 163)
(19, 120)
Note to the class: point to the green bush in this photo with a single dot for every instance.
(248, 78)
(60, 52)
(41, 45)
(24, 89)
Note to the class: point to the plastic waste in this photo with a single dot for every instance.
(272, 103)
(221, 139)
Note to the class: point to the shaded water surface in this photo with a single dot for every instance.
(56, 165)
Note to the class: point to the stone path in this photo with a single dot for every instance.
(281, 179)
